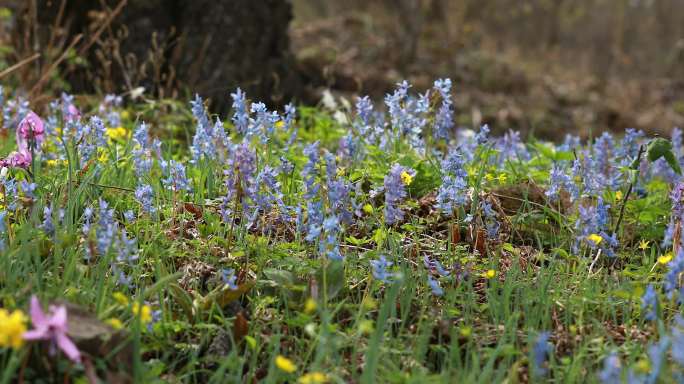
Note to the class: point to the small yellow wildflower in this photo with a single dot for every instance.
(12, 328)
(502, 178)
(341, 171)
(406, 178)
(643, 245)
(489, 177)
(120, 298)
(279, 124)
(618, 195)
(144, 311)
(118, 133)
(114, 323)
(285, 364)
(643, 366)
(490, 274)
(664, 259)
(313, 378)
(310, 305)
(368, 209)
(366, 327)
(596, 239)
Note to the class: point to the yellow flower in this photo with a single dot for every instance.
(114, 323)
(279, 124)
(368, 209)
(366, 327)
(285, 364)
(12, 328)
(502, 178)
(406, 178)
(643, 245)
(489, 177)
(120, 298)
(664, 259)
(118, 133)
(313, 378)
(310, 305)
(596, 239)
(144, 311)
(54, 163)
(490, 274)
(618, 195)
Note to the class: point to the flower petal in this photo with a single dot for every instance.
(37, 315)
(68, 346)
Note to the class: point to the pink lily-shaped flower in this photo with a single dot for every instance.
(52, 327)
(30, 134)
(20, 159)
(31, 131)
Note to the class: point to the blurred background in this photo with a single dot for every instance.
(546, 67)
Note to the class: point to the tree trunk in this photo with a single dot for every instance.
(208, 47)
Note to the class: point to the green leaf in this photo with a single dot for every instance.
(660, 147)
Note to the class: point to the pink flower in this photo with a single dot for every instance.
(52, 327)
(31, 128)
(73, 114)
(21, 159)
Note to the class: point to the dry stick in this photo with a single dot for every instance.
(598, 254)
(104, 25)
(18, 65)
(55, 25)
(46, 73)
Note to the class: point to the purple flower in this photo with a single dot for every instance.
(240, 115)
(444, 118)
(560, 180)
(452, 192)
(229, 278)
(434, 286)
(145, 196)
(649, 301)
(540, 351)
(380, 269)
(434, 265)
(612, 370)
(52, 327)
(395, 191)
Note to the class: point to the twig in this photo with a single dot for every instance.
(54, 65)
(18, 65)
(104, 25)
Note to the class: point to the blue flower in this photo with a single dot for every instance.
(434, 286)
(444, 118)
(145, 196)
(229, 278)
(240, 114)
(560, 180)
(395, 192)
(612, 370)
(678, 340)
(452, 192)
(540, 352)
(380, 269)
(649, 300)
